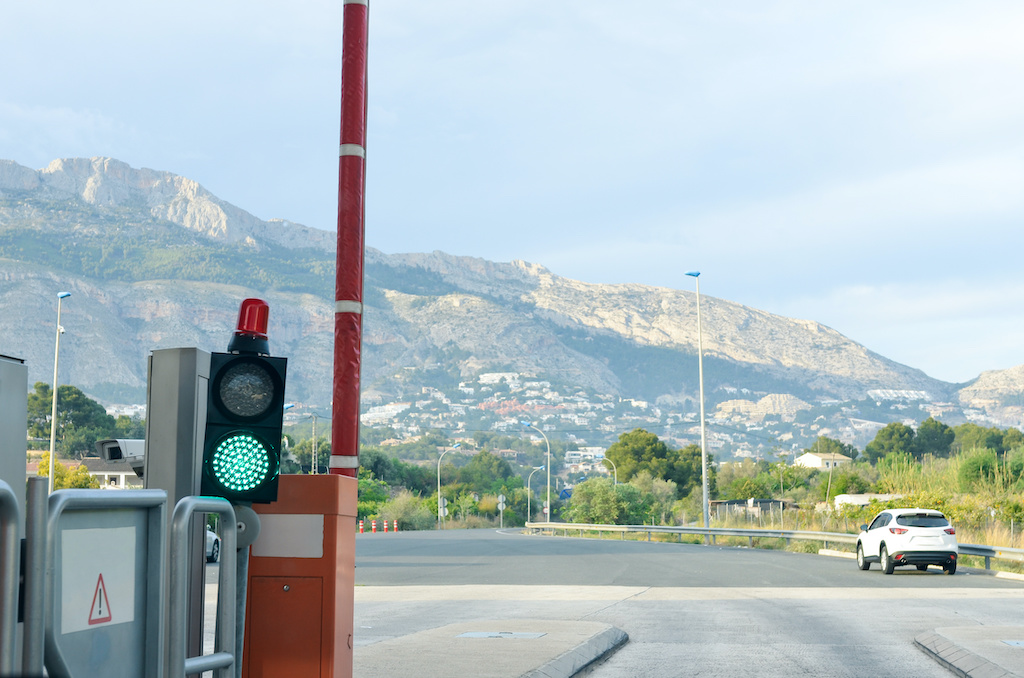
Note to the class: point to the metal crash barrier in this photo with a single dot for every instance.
(986, 552)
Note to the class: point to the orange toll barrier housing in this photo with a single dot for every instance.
(299, 609)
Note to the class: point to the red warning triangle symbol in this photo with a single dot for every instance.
(100, 611)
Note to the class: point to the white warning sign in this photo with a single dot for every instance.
(97, 578)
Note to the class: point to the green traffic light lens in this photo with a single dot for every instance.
(241, 462)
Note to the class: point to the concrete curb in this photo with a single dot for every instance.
(514, 648)
(578, 658)
(958, 660)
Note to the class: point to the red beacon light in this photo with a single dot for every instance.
(251, 332)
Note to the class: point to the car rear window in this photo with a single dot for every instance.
(922, 520)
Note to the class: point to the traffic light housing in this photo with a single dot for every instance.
(244, 414)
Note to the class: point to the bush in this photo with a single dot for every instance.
(410, 511)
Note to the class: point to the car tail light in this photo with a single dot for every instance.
(898, 530)
(949, 530)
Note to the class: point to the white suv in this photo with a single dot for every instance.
(909, 536)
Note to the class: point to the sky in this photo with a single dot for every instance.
(856, 164)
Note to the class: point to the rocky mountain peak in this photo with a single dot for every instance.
(109, 183)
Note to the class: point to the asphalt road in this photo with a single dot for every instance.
(689, 610)
(459, 557)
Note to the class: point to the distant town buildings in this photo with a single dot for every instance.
(742, 425)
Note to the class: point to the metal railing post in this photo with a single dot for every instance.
(223, 658)
(34, 632)
(9, 556)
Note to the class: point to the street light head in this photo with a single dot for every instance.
(526, 423)
(693, 274)
(63, 295)
(456, 445)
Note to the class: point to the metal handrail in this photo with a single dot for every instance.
(986, 552)
(9, 524)
(223, 658)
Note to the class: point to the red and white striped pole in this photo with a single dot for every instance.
(348, 309)
(373, 526)
(360, 527)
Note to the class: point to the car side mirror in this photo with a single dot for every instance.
(864, 528)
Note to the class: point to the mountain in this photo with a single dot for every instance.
(153, 260)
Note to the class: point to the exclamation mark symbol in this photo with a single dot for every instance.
(99, 613)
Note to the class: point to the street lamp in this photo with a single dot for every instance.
(529, 493)
(316, 461)
(53, 413)
(703, 430)
(526, 423)
(439, 482)
(314, 464)
(615, 468)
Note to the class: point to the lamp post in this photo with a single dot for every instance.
(53, 413)
(703, 430)
(548, 465)
(439, 517)
(614, 468)
(316, 462)
(529, 493)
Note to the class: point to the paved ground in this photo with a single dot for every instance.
(578, 630)
(509, 646)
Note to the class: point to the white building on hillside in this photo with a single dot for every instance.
(816, 460)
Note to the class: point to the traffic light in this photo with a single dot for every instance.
(244, 414)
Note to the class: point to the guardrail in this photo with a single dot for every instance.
(986, 552)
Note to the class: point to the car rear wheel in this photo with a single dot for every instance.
(951, 568)
(214, 553)
(861, 563)
(888, 565)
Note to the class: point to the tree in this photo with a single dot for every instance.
(485, 472)
(81, 421)
(598, 501)
(894, 438)
(933, 437)
(465, 504)
(973, 437)
(1012, 439)
(410, 511)
(64, 478)
(758, 487)
(303, 453)
(640, 450)
(128, 427)
(844, 481)
(662, 493)
(373, 494)
(978, 466)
